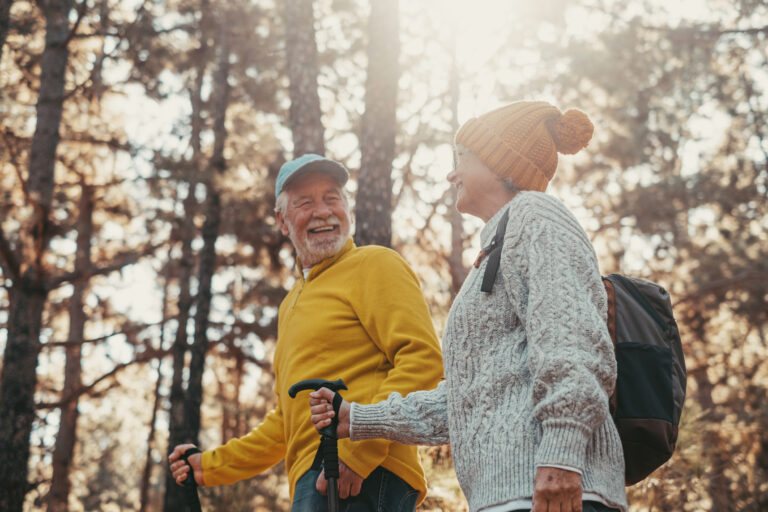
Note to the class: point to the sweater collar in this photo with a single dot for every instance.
(489, 230)
(317, 269)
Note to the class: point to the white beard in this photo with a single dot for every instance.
(316, 250)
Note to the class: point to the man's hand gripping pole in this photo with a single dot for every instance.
(328, 441)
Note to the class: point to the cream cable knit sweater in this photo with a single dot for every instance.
(528, 368)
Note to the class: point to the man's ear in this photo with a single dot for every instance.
(281, 222)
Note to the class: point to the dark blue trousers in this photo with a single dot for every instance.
(586, 506)
(382, 491)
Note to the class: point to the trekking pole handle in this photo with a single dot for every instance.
(191, 496)
(328, 446)
(315, 384)
(190, 480)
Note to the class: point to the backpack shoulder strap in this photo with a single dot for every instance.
(493, 250)
(611, 320)
(627, 284)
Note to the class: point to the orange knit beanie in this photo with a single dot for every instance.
(520, 141)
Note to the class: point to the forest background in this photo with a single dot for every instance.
(140, 265)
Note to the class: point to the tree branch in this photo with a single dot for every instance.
(112, 143)
(80, 15)
(262, 331)
(121, 261)
(699, 29)
(185, 27)
(8, 260)
(750, 31)
(144, 357)
(133, 329)
(14, 158)
(705, 30)
(722, 284)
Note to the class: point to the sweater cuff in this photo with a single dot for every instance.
(563, 443)
(365, 421)
(560, 466)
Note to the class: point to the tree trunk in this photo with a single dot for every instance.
(194, 395)
(19, 378)
(145, 476)
(210, 233)
(176, 429)
(180, 429)
(5, 16)
(49, 108)
(717, 481)
(17, 408)
(58, 497)
(174, 495)
(232, 422)
(240, 426)
(377, 141)
(301, 60)
(456, 258)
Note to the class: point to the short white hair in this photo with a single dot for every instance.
(281, 203)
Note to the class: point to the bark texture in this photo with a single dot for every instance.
(186, 406)
(19, 378)
(5, 16)
(147, 473)
(177, 434)
(211, 226)
(301, 61)
(455, 260)
(373, 208)
(58, 496)
(173, 498)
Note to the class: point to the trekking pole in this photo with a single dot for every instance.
(190, 484)
(328, 441)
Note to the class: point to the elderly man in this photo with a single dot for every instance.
(355, 313)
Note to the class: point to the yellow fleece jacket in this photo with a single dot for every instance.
(359, 316)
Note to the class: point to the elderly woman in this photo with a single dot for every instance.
(529, 364)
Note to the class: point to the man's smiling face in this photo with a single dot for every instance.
(316, 217)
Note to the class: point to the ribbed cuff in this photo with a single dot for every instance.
(563, 443)
(365, 421)
(560, 466)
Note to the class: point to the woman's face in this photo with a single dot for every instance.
(476, 185)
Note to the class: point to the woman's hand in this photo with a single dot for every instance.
(322, 411)
(556, 489)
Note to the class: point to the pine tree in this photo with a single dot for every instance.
(373, 207)
(30, 280)
(301, 64)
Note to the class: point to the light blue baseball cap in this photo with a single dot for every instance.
(309, 162)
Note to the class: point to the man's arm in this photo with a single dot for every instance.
(392, 309)
(388, 301)
(246, 456)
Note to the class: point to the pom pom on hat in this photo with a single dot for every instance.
(571, 132)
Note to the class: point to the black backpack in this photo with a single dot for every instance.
(650, 385)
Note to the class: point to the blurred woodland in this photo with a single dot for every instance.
(140, 265)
